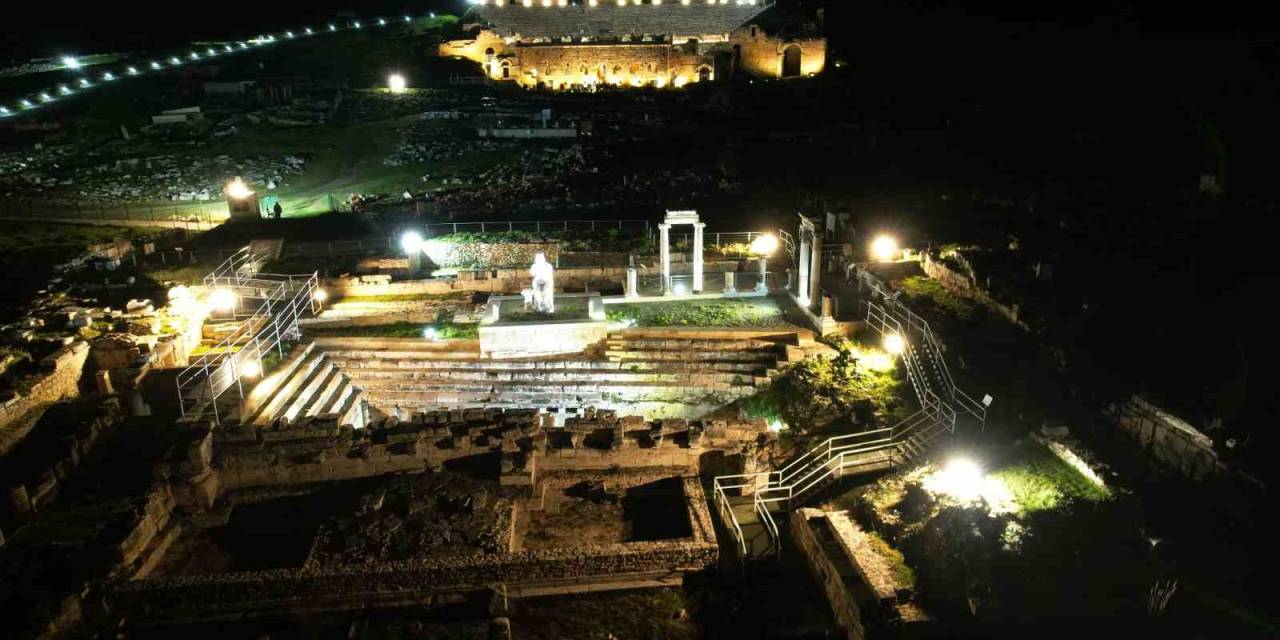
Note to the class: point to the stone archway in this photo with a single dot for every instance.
(506, 70)
(704, 74)
(792, 56)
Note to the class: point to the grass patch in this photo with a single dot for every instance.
(904, 575)
(566, 309)
(1038, 480)
(444, 330)
(731, 313)
(920, 289)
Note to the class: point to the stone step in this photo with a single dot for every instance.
(699, 345)
(442, 398)
(328, 388)
(308, 389)
(401, 354)
(690, 355)
(554, 375)
(550, 387)
(550, 365)
(345, 390)
(274, 407)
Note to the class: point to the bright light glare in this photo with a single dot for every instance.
(70, 62)
(884, 248)
(238, 189)
(679, 289)
(776, 426)
(396, 83)
(411, 242)
(764, 244)
(895, 344)
(180, 292)
(223, 300)
(250, 369)
(430, 333)
(320, 295)
(960, 478)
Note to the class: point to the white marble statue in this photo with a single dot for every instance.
(544, 284)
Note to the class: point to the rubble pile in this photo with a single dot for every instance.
(431, 515)
(150, 178)
(425, 142)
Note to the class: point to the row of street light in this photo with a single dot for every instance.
(33, 101)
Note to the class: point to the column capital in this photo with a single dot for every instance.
(664, 227)
(699, 225)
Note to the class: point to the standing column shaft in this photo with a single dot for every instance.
(815, 269)
(802, 287)
(664, 249)
(697, 256)
(763, 285)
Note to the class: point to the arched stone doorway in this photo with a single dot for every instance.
(506, 70)
(704, 74)
(791, 57)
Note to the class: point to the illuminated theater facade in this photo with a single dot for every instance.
(577, 44)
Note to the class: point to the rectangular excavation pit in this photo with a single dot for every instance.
(413, 517)
(581, 508)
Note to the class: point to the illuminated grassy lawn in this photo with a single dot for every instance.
(736, 313)
(1038, 480)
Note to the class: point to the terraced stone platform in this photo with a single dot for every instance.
(308, 384)
(642, 372)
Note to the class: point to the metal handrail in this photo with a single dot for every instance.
(726, 514)
(771, 527)
(916, 325)
(266, 329)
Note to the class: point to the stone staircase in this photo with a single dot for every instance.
(681, 377)
(307, 385)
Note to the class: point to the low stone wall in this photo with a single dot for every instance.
(503, 280)
(65, 367)
(1168, 439)
(317, 450)
(830, 575)
(222, 594)
(531, 339)
(954, 281)
(33, 481)
(860, 585)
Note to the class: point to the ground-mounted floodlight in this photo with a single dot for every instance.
(155, 65)
(764, 244)
(320, 295)
(355, 24)
(895, 344)
(4, 111)
(26, 104)
(45, 97)
(250, 369)
(961, 478)
(885, 249)
(242, 201)
(679, 289)
(133, 71)
(288, 34)
(431, 334)
(70, 62)
(411, 242)
(408, 19)
(396, 83)
(64, 90)
(84, 82)
(174, 60)
(432, 15)
(223, 299)
(308, 31)
(382, 22)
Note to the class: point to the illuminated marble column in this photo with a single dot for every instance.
(762, 286)
(697, 256)
(802, 287)
(664, 255)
